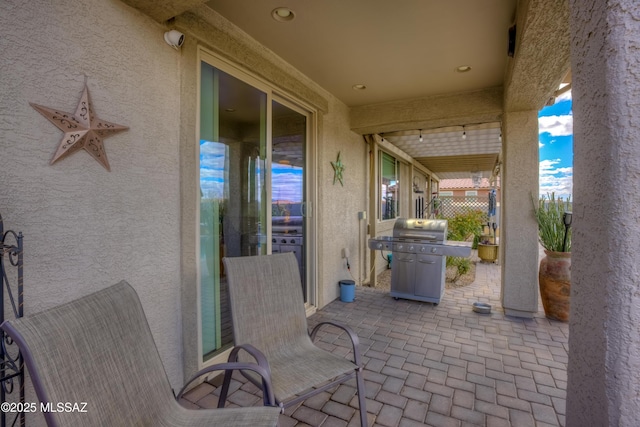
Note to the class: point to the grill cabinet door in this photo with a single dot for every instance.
(429, 271)
(403, 272)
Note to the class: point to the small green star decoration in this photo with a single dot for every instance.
(338, 168)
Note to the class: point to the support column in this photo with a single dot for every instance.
(518, 228)
(604, 344)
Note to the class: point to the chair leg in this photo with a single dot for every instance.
(224, 390)
(361, 397)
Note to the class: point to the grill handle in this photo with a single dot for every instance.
(420, 236)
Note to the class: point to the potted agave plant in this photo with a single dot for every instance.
(554, 277)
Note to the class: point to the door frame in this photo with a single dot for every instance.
(273, 94)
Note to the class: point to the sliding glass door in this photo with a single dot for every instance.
(233, 202)
(254, 188)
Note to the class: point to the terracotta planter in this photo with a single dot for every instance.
(554, 278)
(487, 253)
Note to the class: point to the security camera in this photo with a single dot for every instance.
(174, 38)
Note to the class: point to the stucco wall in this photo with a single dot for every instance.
(338, 205)
(86, 228)
(604, 359)
(519, 229)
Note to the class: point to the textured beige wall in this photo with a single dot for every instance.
(338, 205)
(604, 358)
(519, 229)
(86, 228)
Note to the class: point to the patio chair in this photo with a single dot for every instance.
(269, 321)
(97, 355)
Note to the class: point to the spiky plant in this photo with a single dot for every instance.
(549, 212)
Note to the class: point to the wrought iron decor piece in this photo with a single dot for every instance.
(11, 363)
(82, 130)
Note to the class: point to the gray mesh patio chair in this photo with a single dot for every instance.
(99, 349)
(268, 315)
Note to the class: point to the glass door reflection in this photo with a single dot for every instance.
(233, 209)
(288, 194)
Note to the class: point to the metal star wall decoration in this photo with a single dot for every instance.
(338, 168)
(82, 130)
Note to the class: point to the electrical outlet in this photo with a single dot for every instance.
(362, 215)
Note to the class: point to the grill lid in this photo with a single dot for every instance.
(286, 225)
(419, 229)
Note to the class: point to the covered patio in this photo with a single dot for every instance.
(87, 226)
(438, 365)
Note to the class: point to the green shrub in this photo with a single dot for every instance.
(466, 226)
(463, 265)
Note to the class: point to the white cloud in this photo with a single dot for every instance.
(287, 186)
(555, 180)
(540, 144)
(556, 125)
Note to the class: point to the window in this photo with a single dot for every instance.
(446, 193)
(471, 193)
(389, 190)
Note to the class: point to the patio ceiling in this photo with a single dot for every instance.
(398, 52)
(453, 152)
(408, 51)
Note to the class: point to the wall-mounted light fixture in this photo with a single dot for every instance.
(464, 133)
(420, 135)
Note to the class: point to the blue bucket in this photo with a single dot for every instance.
(347, 290)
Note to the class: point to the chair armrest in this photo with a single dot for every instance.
(267, 389)
(355, 341)
(257, 355)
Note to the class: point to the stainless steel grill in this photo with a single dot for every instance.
(287, 236)
(418, 263)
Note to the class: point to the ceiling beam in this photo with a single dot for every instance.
(163, 10)
(541, 59)
(430, 112)
(466, 163)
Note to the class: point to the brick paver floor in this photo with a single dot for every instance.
(432, 365)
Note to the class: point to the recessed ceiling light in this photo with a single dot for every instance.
(283, 14)
(463, 68)
(359, 87)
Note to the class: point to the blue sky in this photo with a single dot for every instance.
(555, 124)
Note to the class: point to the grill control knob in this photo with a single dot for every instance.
(379, 245)
(273, 240)
(411, 248)
(422, 249)
(283, 241)
(400, 247)
(293, 241)
(434, 250)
